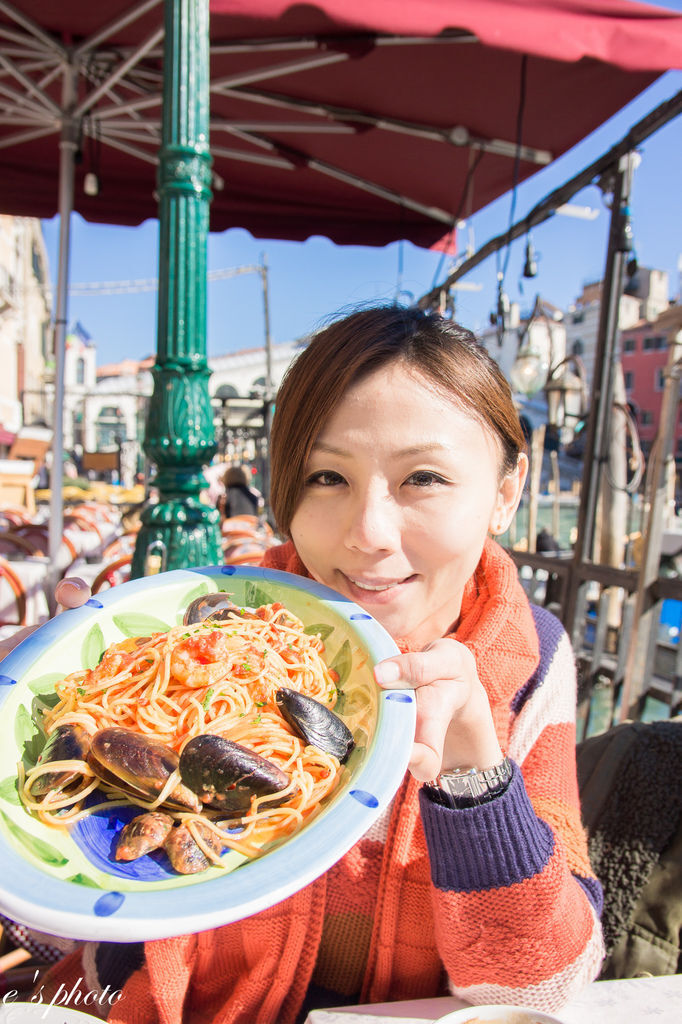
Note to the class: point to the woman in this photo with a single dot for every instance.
(396, 453)
(239, 498)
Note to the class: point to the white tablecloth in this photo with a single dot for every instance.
(603, 1002)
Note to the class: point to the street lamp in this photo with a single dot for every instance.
(566, 393)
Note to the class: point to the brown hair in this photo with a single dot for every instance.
(351, 348)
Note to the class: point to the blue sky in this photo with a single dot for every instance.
(309, 280)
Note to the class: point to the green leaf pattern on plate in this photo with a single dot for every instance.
(325, 629)
(38, 847)
(255, 596)
(93, 647)
(45, 684)
(342, 662)
(81, 879)
(139, 624)
(8, 790)
(29, 740)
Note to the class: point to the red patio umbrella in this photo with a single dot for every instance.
(363, 120)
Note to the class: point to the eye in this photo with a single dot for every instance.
(324, 478)
(424, 478)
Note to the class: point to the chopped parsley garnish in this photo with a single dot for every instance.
(207, 699)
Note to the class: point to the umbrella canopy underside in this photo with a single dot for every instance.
(361, 120)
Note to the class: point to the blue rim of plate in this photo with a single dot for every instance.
(34, 897)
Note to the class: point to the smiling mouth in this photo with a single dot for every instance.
(376, 587)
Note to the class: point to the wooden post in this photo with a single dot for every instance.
(537, 445)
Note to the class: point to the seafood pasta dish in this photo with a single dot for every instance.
(221, 731)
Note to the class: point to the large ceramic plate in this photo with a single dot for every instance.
(67, 883)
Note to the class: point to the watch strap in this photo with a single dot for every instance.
(468, 787)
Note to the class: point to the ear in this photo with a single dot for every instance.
(508, 497)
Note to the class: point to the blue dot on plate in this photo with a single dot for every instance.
(228, 570)
(402, 698)
(94, 603)
(365, 798)
(360, 615)
(108, 904)
(6, 680)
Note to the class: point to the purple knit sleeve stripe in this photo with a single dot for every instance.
(594, 891)
(487, 847)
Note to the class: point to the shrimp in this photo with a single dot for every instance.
(202, 659)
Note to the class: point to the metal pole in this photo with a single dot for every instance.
(597, 441)
(68, 145)
(269, 385)
(179, 436)
(646, 611)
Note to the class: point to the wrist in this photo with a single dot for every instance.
(469, 787)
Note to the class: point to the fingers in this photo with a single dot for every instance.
(72, 592)
(443, 659)
(10, 642)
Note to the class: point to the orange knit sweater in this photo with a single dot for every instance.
(497, 901)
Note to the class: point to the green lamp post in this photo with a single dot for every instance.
(179, 435)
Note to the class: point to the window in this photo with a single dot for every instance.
(659, 378)
(653, 342)
(646, 418)
(629, 345)
(578, 347)
(37, 263)
(80, 371)
(629, 380)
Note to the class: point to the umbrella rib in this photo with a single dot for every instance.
(432, 212)
(315, 42)
(277, 70)
(31, 86)
(120, 72)
(32, 28)
(17, 101)
(133, 14)
(22, 102)
(29, 136)
(457, 136)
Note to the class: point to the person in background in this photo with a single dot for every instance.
(240, 498)
(396, 458)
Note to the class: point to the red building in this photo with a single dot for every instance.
(644, 356)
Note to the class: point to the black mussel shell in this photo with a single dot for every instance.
(217, 607)
(140, 765)
(315, 723)
(225, 775)
(66, 743)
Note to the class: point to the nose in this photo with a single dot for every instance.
(373, 522)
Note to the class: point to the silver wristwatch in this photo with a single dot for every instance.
(467, 787)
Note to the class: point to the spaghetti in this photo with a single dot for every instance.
(213, 677)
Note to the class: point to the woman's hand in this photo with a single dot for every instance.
(71, 592)
(454, 722)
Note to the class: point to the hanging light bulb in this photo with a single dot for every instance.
(530, 267)
(528, 375)
(91, 184)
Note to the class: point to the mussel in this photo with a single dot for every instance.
(315, 723)
(214, 607)
(185, 855)
(226, 775)
(144, 833)
(139, 766)
(66, 743)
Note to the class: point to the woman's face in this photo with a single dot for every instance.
(401, 489)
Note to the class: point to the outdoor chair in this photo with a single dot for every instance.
(115, 572)
(8, 575)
